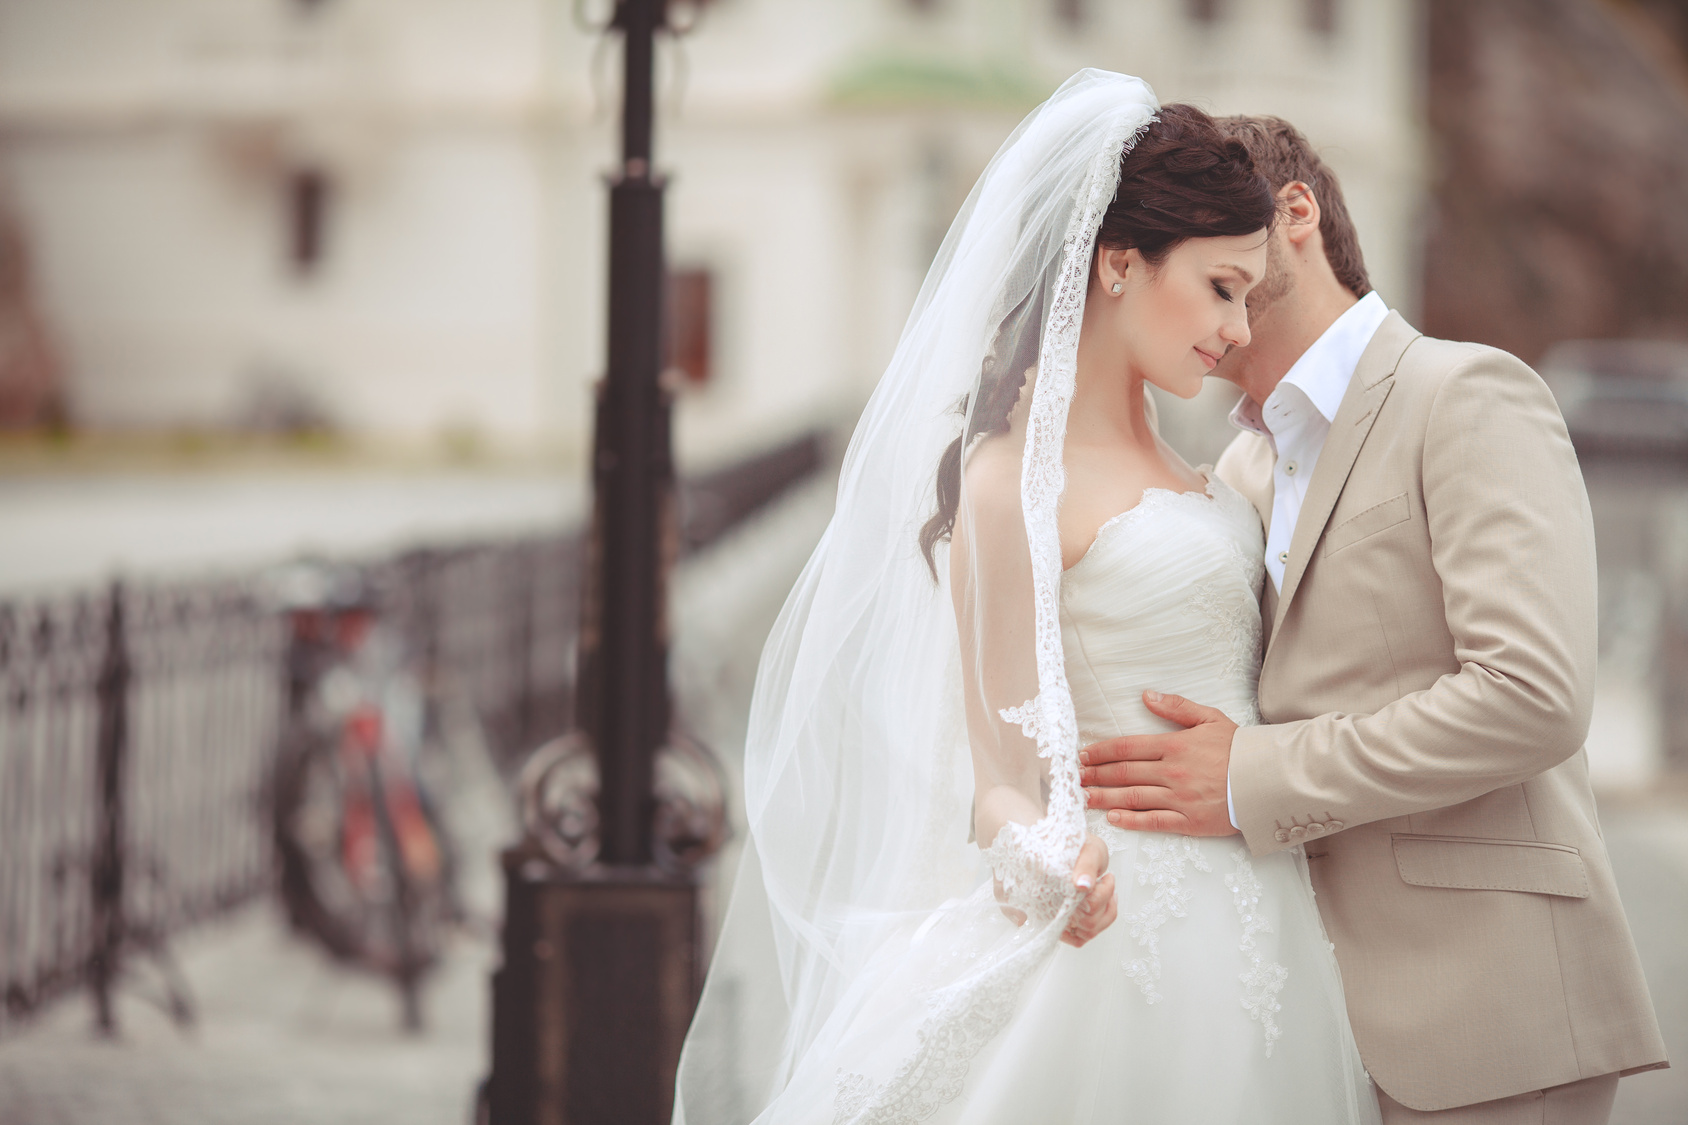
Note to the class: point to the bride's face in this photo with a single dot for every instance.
(1173, 322)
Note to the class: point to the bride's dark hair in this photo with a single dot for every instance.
(1183, 179)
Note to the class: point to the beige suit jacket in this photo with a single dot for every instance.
(1427, 684)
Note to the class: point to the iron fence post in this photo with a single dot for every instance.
(107, 869)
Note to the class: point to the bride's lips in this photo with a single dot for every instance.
(1208, 358)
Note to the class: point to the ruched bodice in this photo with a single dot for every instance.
(1167, 598)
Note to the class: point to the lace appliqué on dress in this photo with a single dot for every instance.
(1160, 864)
(1262, 979)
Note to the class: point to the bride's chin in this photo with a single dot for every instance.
(1185, 386)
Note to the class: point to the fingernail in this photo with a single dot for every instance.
(1084, 756)
(1085, 881)
(1115, 817)
(1152, 696)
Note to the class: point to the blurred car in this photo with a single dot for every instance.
(1624, 398)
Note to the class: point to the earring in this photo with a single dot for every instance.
(1118, 289)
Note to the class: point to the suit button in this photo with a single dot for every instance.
(1317, 828)
(1297, 832)
(1334, 825)
(1283, 556)
(1281, 835)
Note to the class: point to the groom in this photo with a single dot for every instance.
(1426, 686)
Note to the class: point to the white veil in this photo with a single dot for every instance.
(864, 959)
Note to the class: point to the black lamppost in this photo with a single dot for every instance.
(600, 971)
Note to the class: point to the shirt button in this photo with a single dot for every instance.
(1290, 468)
(1283, 556)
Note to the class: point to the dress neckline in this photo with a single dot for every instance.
(1150, 494)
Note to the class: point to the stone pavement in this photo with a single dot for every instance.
(284, 1037)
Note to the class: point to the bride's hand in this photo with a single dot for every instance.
(1097, 910)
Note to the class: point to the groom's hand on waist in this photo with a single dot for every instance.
(1165, 782)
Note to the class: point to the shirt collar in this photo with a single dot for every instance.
(1324, 370)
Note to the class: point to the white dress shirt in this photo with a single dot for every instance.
(1295, 421)
(1298, 414)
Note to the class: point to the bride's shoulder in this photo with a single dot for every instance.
(990, 491)
(992, 473)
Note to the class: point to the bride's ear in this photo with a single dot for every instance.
(1113, 269)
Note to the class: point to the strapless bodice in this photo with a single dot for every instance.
(1167, 598)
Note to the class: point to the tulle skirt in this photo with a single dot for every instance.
(1213, 999)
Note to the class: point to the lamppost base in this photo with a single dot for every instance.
(599, 980)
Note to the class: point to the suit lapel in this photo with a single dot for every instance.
(1373, 379)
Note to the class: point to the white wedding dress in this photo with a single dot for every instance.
(1214, 997)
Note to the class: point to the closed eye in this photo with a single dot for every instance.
(1222, 291)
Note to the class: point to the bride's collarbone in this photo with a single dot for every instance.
(1099, 493)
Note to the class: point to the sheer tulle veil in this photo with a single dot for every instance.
(865, 957)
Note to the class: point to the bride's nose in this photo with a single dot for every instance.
(1235, 329)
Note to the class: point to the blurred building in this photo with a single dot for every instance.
(387, 217)
(1561, 171)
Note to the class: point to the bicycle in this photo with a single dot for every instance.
(365, 864)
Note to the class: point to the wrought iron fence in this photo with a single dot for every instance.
(138, 727)
(139, 724)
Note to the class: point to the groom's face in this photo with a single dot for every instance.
(1293, 304)
(1267, 302)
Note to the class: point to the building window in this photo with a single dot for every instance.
(308, 197)
(691, 307)
(1205, 11)
(1071, 14)
(1321, 16)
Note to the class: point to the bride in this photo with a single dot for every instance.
(928, 925)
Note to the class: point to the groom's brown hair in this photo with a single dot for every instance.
(1284, 156)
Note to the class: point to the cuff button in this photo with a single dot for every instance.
(1281, 835)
